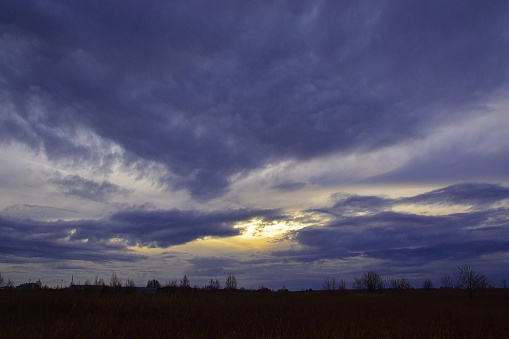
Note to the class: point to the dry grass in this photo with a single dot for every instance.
(410, 314)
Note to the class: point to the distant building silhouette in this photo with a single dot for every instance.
(29, 287)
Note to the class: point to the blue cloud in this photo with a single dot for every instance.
(208, 92)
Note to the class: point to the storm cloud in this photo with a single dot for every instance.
(211, 92)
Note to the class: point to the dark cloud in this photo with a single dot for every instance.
(407, 237)
(461, 251)
(210, 91)
(108, 239)
(473, 195)
(477, 194)
(165, 228)
(88, 189)
(353, 204)
(29, 239)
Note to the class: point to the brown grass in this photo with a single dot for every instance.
(409, 314)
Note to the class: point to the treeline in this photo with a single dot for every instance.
(185, 283)
(464, 278)
(116, 283)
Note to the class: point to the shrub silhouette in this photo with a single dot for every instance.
(427, 284)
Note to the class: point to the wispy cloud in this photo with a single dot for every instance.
(88, 189)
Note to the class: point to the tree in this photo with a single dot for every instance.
(99, 282)
(427, 285)
(369, 281)
(446, 281)
(398, 284)
(483, 281)
(153, 283)
(231, 283)
(115, 281)
(357, 284)
(468, 279)
(329, 284)
(504, 283)
(263, 288)
(213, 285)
(184, 282)
(130, 283)
(9, 284)
(342, 285)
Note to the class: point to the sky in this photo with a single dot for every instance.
(284, 142)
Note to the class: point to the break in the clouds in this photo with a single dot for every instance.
(371, 226)
(261, 135)
(93, 240)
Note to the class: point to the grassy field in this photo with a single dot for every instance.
(409, 314)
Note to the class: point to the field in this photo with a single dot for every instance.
(246, 314)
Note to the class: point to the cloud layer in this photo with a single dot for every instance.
(93, 240)
(367, 227)
(212, 92)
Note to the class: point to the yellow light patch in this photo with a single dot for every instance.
(258, 229)
(430, 209)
